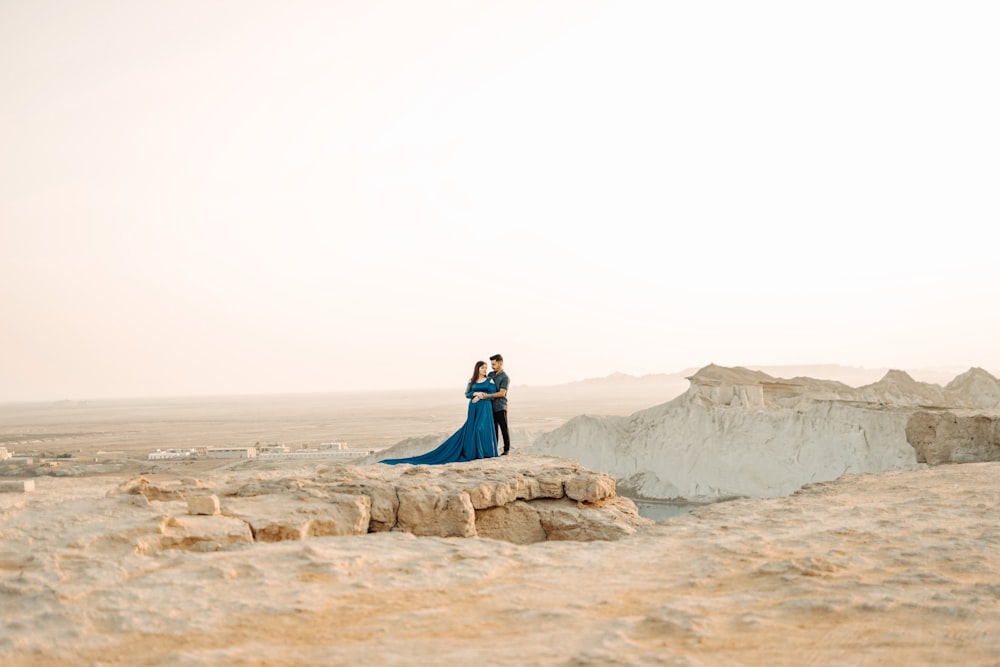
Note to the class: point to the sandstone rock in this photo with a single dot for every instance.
(277, 528)
(137, 500)
(517, 522)
(491, 498)
(491, 494)
(528, 488)
(204, 533)
(204, 505)
(277, 519)
(567, 520)
(550, 485)
(164, 492)
(382, 499)
(590, 488)
(343, 514)
(431, 511)
(264, 487)
(954, 437)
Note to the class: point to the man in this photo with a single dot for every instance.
(500, 401)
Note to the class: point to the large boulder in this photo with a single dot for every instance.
(954, 436)
(435, 511)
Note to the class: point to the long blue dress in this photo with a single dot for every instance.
(477, 439)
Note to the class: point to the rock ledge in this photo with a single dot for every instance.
(521, 499)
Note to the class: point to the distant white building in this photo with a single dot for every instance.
(326, 450)
(175, 454)
(337, 444)
(231, 452)
(5, 454)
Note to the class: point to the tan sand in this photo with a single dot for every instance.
(894, 568)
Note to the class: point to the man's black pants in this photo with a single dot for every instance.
(500, 423)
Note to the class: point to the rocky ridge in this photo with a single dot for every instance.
(743, 433)
(522, 499)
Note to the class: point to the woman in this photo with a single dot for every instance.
(477, 439)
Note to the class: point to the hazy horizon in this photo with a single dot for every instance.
(241, 199)
(842, 373)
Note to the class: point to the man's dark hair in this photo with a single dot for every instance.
(496, 357)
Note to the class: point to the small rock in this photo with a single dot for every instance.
(204, 505)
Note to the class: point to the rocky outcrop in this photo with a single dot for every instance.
(954, 437)
(741, 387)
(736, 387)
(203, 533)
(689, 450)
(977, 388)
(275, 517)
(521, 499)
(898, 388)
(740, 432)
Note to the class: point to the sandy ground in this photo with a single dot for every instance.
(897, 568)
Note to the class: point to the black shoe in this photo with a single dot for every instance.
(505, 452)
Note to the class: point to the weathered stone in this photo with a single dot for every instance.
(276, 518)
(952, 437)
(204, 505)
(137, 500)
(492, 497)
(264, 487)
(383, 499)
(270, 518)
(550, 485)
(491, 493)
(517, 522)
(163, 492)
(204, 533)
(590, 487)
(343, 514)
(430, 511)
(611, 519)
(528, 488)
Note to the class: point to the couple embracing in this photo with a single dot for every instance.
(486, 422)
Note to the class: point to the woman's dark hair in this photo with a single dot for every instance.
(475, 372)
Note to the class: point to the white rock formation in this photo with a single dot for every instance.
(737, 432)
(976, 388)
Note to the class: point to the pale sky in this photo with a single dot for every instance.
(204, 197)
